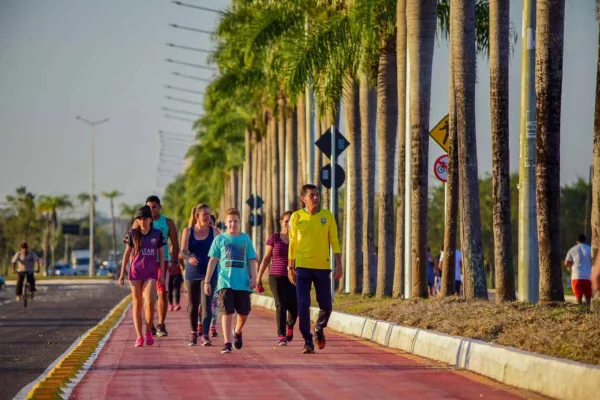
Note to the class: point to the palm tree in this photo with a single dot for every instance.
(368, 115)
(463, 50)
(421, 23)
(281, 142)
(292, 159)
(387, 124)
(247, 179)
(401, 44)
(550, 24)
(596, 160)
(44, 207)
(499, 61)
(50, 205)
(128, 210)
(112, 195)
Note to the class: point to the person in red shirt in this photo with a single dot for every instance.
(284, 292)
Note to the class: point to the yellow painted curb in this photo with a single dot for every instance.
(70, 365)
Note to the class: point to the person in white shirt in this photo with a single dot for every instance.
(457, 269)
(579, 262)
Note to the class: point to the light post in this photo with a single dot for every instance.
(92, 202)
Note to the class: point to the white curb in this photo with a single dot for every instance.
(549, 376)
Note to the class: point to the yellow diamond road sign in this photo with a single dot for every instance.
(441, 134)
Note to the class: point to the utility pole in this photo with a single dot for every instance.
(92, 125)
(529, 274)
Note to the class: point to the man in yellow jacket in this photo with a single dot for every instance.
(312, 232)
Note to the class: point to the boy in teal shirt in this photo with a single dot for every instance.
(235, 254)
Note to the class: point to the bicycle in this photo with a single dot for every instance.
(24, 291)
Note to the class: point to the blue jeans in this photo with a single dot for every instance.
(321, 278)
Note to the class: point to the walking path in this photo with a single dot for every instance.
(347, 368)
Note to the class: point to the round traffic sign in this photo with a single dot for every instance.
(440, 168)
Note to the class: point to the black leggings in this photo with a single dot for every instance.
(197, 297)
(286, 302)
(175, 282)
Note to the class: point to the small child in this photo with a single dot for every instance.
(236, 256)
(146, 254)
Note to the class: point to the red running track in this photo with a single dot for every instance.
(347, 368)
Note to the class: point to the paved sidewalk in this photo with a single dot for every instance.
(347, 368)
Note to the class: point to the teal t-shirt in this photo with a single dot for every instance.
(233, 253)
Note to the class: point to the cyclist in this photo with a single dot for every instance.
(23, 264)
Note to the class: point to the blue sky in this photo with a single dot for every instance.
(99, 59)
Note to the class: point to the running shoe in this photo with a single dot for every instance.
(309, 348)
(149, 339)
(320, 339)
(237, 340)
(161, 330)
(193, 339)
(226, 348)
(282, 341)
(177, 307)
(289, 333)
(170, 307)
(205, 341)
(139, 342)
(153, 331)
(213, 332)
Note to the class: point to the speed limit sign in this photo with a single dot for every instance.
(440, 168)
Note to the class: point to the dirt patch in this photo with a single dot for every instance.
(559, 329)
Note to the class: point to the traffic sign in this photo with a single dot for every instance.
(70, 229)
(440, 168)
(440, 133)
(340, 176)
(259, 201)
(256, 219)
(324, 143)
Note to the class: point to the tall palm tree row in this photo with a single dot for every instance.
(268, 53)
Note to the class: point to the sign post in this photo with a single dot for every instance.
(332, 143)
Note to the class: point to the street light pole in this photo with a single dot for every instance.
(529, 274)
(92, 202)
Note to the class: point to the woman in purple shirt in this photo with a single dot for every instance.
(284, 292)
(144, 243)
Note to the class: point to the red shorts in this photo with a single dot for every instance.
(160, 287)
(582, 287)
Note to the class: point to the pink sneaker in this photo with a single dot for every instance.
(139, 342)
(149, 339)
(170, 307)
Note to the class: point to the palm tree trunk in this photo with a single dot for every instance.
(247, 179)
(292, 162)
(281, 141)
(354, 197)
(54, 229)
(550, 24)
(421, 18)
(268, 178)
(463, 47)
(398, 285)
(499, 62)
(274, 156)
(263, 185)
(368, 113)
(450, 232)
(387, 124)
(254, 187)
(302, 137)
(596, 160)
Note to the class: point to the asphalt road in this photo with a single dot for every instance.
(31, 339)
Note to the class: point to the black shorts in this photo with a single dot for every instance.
(234, 301)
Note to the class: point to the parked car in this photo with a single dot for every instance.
(63, 270)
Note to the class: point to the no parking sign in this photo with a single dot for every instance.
(440, 168)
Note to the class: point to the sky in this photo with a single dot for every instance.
(105, 59)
